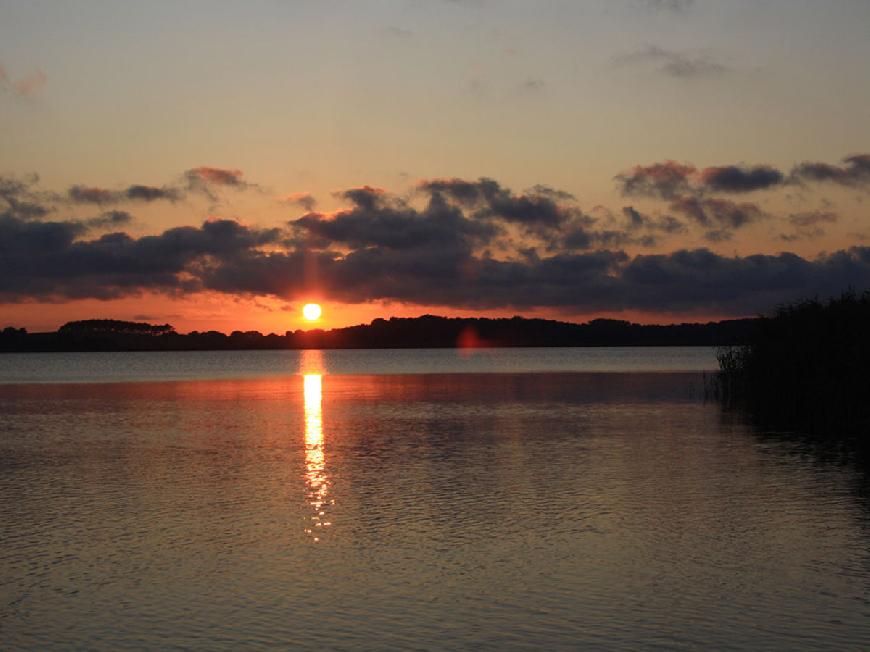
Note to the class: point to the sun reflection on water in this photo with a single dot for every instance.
(316, 477)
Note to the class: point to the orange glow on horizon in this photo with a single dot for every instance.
(213, 311)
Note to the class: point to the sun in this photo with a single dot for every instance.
(311, 311)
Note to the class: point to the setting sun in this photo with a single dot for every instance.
(311, 311)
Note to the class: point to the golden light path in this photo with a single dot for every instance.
(316, 477)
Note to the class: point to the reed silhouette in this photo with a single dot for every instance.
(805, 367)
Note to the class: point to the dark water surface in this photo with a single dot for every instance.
(445, 511)
(200, 365)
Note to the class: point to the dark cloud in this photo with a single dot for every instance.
(91, 195)
(736, 179)
(304, 199)
(813, 218)
(48, 260)
(377, 220)
(670, 179)
(720, 216)
(216, 176)
(740, 285)
(634, 229)
(456, 244)
(152, 193)
(802, 234)
(80, 194)
(202, 179)
(110, 220)
(547, 191)
(808, 225)
(206, 180)
(19, 199)
(666, 224)
(673, 63)
(366, 198)
(663, 180)
(540, 207)
(854, 173)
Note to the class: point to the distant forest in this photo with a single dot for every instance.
(420, 332)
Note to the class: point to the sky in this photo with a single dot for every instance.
(216, 165)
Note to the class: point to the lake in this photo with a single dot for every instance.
(502, 499)
(199, 365)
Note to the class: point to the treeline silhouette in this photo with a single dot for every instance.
(805, 367)
(427, 331)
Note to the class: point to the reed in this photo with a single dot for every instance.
(805, 367)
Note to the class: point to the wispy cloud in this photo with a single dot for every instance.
(679, 64)
(676, 6)
(304, 199)
(26, 86)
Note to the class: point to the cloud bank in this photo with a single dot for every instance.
(466, 243)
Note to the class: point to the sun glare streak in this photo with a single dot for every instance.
(311, 363)
(316, 478)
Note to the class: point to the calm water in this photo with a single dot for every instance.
(198, 365)
(417, 511)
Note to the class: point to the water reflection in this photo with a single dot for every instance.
(316, 478)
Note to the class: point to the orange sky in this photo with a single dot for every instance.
(219, 312)
(556, 102)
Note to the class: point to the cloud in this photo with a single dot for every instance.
(630, 228)
(670, 179)
(676, 6)
(667, 224)
(21, 200)
(533, 85)
(854, 173)
(537, 209)
(26, 86)
(673, 63)
(808, 225)
(304, 199)
(813, 218)
(454, 242)
(80, 194)
(720, 216)
(46, 260)
(205, 180)
(216, 176)
(378, 220)
(110, 220)
(91, 195)
(152, 193)
(663, 180)
(30, 84)
(736, 179)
